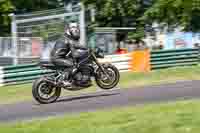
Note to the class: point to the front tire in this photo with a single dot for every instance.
(113, 74)
(41, 88)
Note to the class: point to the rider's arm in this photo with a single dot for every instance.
(72, 49)
(78, 46)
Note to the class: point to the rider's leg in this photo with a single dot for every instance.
(67, 75)
(68, 67)
(67, 64)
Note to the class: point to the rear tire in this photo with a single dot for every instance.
(116, 76)
(36, 90)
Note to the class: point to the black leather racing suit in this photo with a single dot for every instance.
(61, 49)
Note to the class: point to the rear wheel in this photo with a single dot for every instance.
(108, 80)
(45, 93)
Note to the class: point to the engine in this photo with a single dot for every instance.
(83, 77)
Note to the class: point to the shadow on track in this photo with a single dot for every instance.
(85, 97)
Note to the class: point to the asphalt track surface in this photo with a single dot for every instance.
(101, 100)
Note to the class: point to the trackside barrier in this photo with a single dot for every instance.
(174, 58)
(122, 61)
(141, 61)
(20, 74)
(137, 61)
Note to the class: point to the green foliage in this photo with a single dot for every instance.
(117, 13)
(29, 5)
(138, 34)
(120, 13)
(6, 7)
(183, 13)
(21, 6)
(137, 13)
(35, 5)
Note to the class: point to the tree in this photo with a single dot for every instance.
(22, 6)
(120, 13)
(6, 8)
(175, 13)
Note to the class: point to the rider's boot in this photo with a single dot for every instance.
(66, 79)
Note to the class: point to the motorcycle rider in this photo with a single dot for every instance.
(69, 43)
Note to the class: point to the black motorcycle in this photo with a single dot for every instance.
(47, 88)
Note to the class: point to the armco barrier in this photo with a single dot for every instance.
(10, 75)
(20, 74)
(125, 62)
(121, 61)
(173, 58)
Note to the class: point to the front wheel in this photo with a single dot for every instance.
(44, 92)
(109, 78)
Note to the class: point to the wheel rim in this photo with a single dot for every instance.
(46, 91)
(104, 80)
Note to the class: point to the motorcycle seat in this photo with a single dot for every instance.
(47, 64)
(50, 65)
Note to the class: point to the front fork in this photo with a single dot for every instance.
(101, 67)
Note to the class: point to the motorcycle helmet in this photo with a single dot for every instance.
(72, 31)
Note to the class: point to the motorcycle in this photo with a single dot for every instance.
(47, 88)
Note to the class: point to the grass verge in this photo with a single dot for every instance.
(179, 117)
(18, 93)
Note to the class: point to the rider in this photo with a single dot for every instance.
(63, 46)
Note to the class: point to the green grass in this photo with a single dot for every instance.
(18, 93)
(162, 76)
(180, 117)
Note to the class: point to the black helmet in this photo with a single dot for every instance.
(72, 31)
